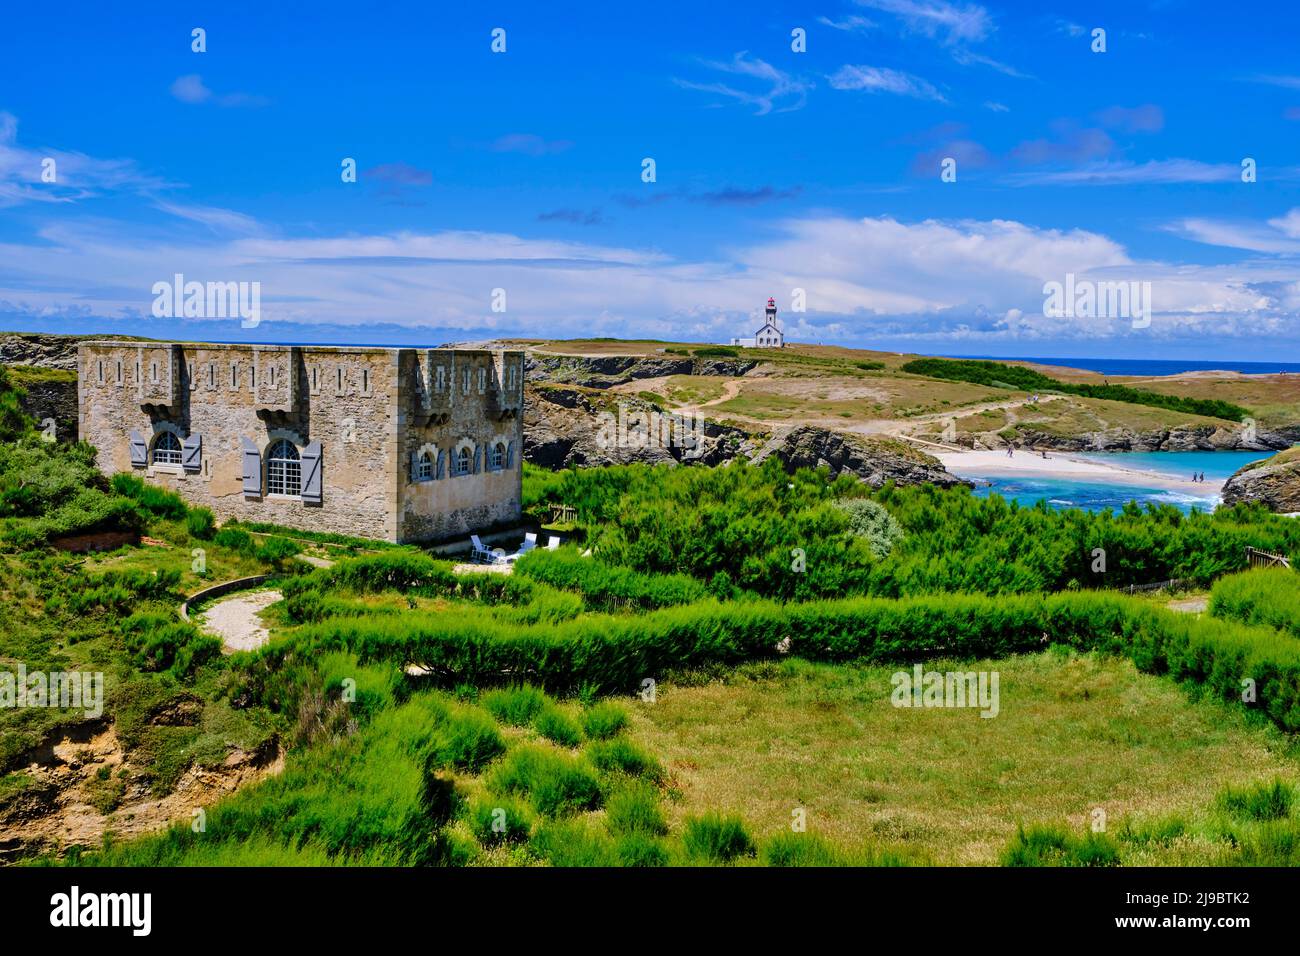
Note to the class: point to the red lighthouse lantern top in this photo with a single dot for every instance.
(771, 302)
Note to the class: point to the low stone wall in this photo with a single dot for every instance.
(218, 590)
(56, 400)
(97, 541)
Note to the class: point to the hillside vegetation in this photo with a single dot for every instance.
(1016, 376)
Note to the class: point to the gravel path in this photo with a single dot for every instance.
(236, 619)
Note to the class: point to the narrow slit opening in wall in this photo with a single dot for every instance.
(365, 380)
(119, 373)
(340, 378)
(313, 379)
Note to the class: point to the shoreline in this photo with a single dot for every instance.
(984, 464)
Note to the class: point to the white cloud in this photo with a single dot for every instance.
(879, 79)
(1280, 235)
(77, 176)
(191, 89)
(784, 92)
(951, 22)
(1129, 173)
(215, 218)
(851, 23)
(867, 280)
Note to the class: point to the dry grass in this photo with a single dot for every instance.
(947, 786)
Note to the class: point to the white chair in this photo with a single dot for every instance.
(552, 543)
(530, 542)
(481, 554)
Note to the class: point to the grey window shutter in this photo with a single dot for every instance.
(252, 469)
(139, 450)
(192, 453)
(510, 456)
(442, 465)
(311, 483)
(415, 465)
(478, 458)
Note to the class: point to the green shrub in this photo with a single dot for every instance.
(496, 820)
(236, 539)
(1260, 802)
(1276, 843)
(871, 521)
(1017, 376)
(620, 755)
(574, 843)
(557, 726)
(467, 740)
(1056, 846)
(716, 838)
(603, 720)
(800, 849)
(1266, 596)
(640, 849)
(162, 643)
(159, 502)
(605, 587)
(517, 706)
(276, 550)
(200, 523)
(555, 783)
(634, 808)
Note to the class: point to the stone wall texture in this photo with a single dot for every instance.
(373, 411)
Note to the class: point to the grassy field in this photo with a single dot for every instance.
(1074, 733)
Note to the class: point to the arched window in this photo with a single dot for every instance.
(462, 461)
(424, 471)
(283, 469)
(166, 449)
(498, 456)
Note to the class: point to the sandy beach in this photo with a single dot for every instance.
(980, 464)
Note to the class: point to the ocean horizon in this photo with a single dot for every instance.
(1105, 366)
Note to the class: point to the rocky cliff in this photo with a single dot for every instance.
(574, 426)
(604, 371)
(39, 350)
(872, 459)
(566, 426)
(1275, 482)
(1198, 438)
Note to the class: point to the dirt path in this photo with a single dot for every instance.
(237, 619)
(1190, 605)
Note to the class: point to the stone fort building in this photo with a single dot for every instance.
(394, 443)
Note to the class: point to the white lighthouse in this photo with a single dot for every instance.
(769, 336)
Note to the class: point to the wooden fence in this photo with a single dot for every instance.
(1266, 559)
(563, 514)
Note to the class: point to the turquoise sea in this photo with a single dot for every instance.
(1095, 496)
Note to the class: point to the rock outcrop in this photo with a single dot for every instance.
(566, 426)
(39, 349)
(563, 427)
(605, 371)
(1198, 438)
(872, 460)
(53, 400)
(1274, 481)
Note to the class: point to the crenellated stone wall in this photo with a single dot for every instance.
(368, 410)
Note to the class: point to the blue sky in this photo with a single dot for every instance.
(776, 170)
